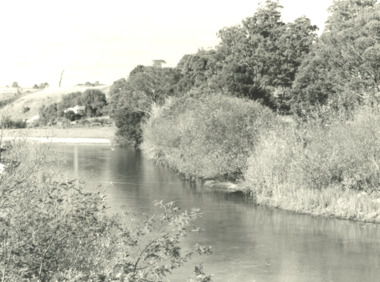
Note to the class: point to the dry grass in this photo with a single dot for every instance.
(332, 201)
(331, 171)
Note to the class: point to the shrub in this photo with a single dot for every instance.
(7, 122)
(52, 229)
(50, 114)
(71, 100)
(70, 115)
(206, 136)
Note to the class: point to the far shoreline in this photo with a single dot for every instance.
(67, 140)
(70, 135)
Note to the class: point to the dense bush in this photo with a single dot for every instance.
(52, 229)
(71, 116)
(49, 114)
(7, 122)
(207, 136)
(71, 100)
(94, 100)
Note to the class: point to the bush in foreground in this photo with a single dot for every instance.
(52, 229)
(207, 136)
(324, 169)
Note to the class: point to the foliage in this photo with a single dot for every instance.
(262, 56)
(41, 85)
(52, 229)
(72, 116)
(94, 101)
(205, 135)
(343, 154)
(131, 100)
(49, 114)
(7, 122)
(15, 85)
(257, 60)
(343, 70)
(71, 100)
(324, 169)
(197, 70)
(25, 109)
(129, 131)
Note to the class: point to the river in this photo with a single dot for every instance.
(250, 243)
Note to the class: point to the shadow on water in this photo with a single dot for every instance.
(250, 243)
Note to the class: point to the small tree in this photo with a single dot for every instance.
(43, 85)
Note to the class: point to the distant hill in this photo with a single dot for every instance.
(35, 99)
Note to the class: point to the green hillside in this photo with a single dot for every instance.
(18, 102)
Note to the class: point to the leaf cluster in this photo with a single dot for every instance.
(53, 229)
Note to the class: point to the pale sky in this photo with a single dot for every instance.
(104, 40)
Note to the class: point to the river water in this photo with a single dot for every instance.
(250, 243)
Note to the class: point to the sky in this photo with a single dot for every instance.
(104, 40)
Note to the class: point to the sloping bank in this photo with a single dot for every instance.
(313, 169)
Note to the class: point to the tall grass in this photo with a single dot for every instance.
(321, 169)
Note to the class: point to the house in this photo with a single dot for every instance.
(77, 109)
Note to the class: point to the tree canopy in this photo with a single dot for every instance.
(343, 69)
(131, 99)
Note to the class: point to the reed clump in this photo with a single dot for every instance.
(320, 168)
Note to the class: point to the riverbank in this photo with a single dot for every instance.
(329, 169)
(84, 135)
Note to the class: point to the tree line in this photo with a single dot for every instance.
(284, 66)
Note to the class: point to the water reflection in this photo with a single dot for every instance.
(250, 243)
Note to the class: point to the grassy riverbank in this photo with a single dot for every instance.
(321, 169)
(327, 168)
